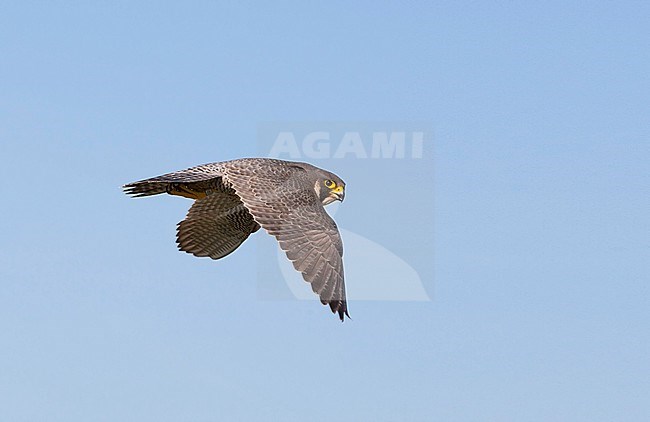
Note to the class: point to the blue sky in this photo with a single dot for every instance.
(540, 191)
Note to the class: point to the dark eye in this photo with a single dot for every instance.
(329, 184)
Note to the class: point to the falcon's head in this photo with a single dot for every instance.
(330, 188)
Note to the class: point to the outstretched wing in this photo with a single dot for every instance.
(282, 200)
(217, 223)
(215, 226)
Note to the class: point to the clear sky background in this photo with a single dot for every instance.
(540, 299)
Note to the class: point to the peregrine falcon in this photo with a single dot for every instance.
(233, 199)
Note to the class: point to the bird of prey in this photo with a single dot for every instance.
(233, 199)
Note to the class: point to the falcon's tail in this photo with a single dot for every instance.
(145, 188)
(190, 183)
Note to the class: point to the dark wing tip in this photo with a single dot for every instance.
(339, 307)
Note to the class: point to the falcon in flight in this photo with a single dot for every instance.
(233, 199)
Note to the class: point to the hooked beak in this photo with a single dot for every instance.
(338, 193)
